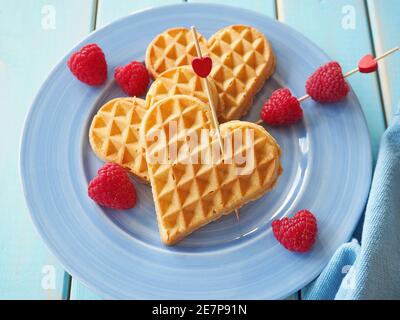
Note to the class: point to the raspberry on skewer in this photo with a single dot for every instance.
(326, 85)
(281, 109)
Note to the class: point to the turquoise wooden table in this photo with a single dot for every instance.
(34, 34)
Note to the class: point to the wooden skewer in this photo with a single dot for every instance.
(385, 54)
(208, 91)
(347, 74)
(210, 100)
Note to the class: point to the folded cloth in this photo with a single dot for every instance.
(370, 270)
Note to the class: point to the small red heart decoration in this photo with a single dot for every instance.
(202, 66)
(368, 64)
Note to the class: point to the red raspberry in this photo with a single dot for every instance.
(297, 233)
(133, 78)
(89, 65)
(281, 109)
(327, 84)
(112, 188)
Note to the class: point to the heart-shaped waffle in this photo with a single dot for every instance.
(182, 80)
(187, 193)
(172, 48)
(242, 61)
(114, 134)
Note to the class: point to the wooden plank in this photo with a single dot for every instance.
(266, 7)
(341, 28)
(81, 292)
(385, 25)
(34, 34)
(110, 10)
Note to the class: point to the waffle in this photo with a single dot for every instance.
(114, 134)
(182, 80)
(242, 61)
(172, 48)
(189, 195)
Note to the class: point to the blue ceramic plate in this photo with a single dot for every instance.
(326, 161)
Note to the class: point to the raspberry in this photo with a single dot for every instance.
(89, 65)
(132, 78)
(298, 233)
(112, 188)
(327, 84)
(281, 109)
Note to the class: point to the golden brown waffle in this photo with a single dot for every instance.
(188, 196)
(242, 61)
(172, 48)
(114, 134)
(182, 80)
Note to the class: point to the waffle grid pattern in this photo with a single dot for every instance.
(172, 48)
(114, 134)
(243, 60)
(190, 195)
(181, 80)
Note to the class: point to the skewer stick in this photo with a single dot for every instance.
(347, 74)
(208, 91)
(385, 54)
(210, 100)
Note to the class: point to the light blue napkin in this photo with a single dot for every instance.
(370, 270)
